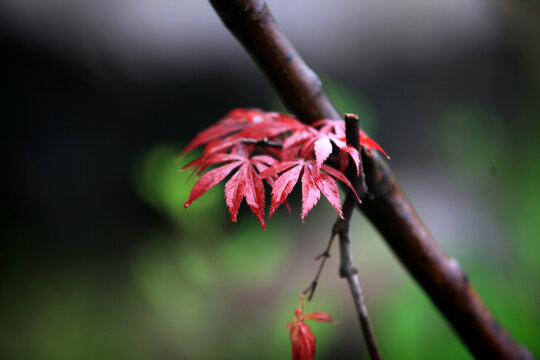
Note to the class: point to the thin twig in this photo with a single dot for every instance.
(324, 255)
(348, 270)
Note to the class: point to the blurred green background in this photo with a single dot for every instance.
(100, 260)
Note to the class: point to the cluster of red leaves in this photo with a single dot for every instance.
(302, 338)
(254, 145)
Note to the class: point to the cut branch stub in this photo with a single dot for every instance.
(352, 133)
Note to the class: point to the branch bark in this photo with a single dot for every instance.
(441, 277)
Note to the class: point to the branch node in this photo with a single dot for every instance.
(325, 254)
(347, 270)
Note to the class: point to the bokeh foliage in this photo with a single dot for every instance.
(199, 287)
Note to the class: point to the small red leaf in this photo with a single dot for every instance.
(202, 163)
(212, 133)
(319, 143)
(220, 146)
(261, 166)
(234, 121)
(245, 183)
(318, 316)
(348, 149)
(283, 186)
(339, 175)
(327, 126)
(313, 182)
(210, 179)
(263, 159)
(276, 169)
(234, 191)
(299, 136)
(323, 149)
(254, 194)
(330, 190)
(272, 128)
(310, 191)
(302, 338)
(370, 144)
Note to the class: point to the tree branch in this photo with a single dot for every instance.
(295, 83)
(388, 208)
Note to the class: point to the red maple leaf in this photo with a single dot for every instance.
(234, 121)
(239, 124)
(266, 129)
(244, 184)
(252, 145)
(319, 143)
(302, 338)
(314, 182)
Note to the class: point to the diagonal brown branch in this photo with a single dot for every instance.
(388, 208)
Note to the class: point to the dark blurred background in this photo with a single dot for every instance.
(100, 261)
